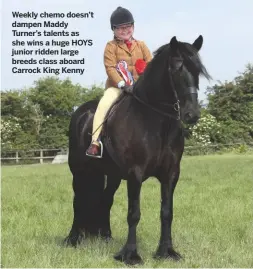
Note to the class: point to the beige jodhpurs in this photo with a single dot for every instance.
(110, 95)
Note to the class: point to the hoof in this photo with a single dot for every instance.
(106, 235)
(129, 257)
(169, 253)
(107, 239)
(73, 240)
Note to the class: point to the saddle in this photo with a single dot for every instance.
(106, 136)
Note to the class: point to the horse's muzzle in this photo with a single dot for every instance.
(191, 118)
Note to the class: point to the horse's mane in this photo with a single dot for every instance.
(160, 61)
(189, 54)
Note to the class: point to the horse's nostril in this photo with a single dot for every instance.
(188, 115)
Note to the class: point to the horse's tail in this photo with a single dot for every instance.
(80, 128)
(88, 181)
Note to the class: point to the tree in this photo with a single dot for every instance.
(42, 112)
(231, 103)
(17, 124)
(57, 99)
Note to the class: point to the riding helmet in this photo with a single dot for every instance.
(121, 16)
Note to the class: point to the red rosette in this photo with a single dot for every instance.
(140, 66)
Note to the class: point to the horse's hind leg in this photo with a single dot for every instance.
(168, 184)
(88, 188)
(106, 204)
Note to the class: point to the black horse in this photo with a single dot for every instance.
(143, 137)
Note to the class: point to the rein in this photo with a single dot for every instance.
(176, 107)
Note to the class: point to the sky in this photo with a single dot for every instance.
(225, 25)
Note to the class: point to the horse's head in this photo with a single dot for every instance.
(185, 67)
(172, 78)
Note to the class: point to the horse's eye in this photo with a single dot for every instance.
(179, 65)
(180, 71)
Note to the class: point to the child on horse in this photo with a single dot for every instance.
(122, 48)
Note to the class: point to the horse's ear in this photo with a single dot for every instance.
(174, 43)
(197, 44)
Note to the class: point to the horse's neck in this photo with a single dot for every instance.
(156, 90)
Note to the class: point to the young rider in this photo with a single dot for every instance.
(123, 47)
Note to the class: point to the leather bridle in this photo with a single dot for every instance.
(176, 105)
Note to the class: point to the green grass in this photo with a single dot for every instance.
(212, 227)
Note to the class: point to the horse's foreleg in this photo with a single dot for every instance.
(105, 206)
(165, 248)
(128, 253)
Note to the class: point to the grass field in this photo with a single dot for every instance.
(212, 227)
